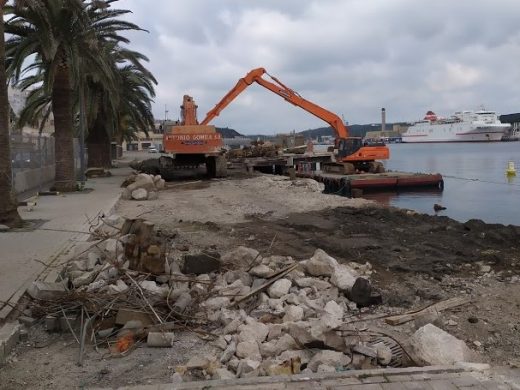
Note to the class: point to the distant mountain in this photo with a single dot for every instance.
(354, 130)
(228, 133)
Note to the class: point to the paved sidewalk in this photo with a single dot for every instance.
(24, 254)
(420, 378)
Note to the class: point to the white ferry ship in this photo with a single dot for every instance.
(463, 126)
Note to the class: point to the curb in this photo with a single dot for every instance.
(276, 382)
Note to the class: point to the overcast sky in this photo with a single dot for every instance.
(350, 56)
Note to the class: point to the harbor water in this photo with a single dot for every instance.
(475, 180)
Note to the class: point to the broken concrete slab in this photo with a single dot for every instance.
(160, 339)
(279, 288)
(242, 256)
(248, 350)
(9, 336)
(253, 330)
(46, 291)
(321, 264)
(434, 346)
(330, 358)
(343, 277)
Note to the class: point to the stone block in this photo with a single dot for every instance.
(9, 336)
(46, 291)
(160, 339)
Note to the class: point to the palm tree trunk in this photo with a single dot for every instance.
(8, 204)
(65, 180)
(98, 146)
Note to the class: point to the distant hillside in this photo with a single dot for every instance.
(354, 130)
(228, 133)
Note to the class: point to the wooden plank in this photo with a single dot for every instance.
(439, 306)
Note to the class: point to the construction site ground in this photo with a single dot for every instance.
(417, 260)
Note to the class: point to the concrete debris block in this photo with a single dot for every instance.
(113, 248)
(343, 277)
(233, 289)
(176, 378)
(302, 355)
(293, 314)
(384, 353)
(97, 285)
(143, 181)
(334, 310)
(220, 343)
(312, 282)
(335, 341)
(248, 350)
(67, 322)
(201, 263)
(275, 347)
(320, 264)
(228, 352)
(233, 364)
(118, 288)
(222, 373)
(436, 347)
(232, 327)
(84, 279)
(325, 368)
(365, 350)
(330, 358)
(232, 276)
(430, 316)
(197, 361)
(215, 303)
(125, 315)
(247, 368)
(300, 331)
(9, 336)
(160, 184)
(253, 330)
(153, 195)
(279, 288)
(46, 291)
(160, 339)
(139, 194)
(152, 287)
(92, 260)
(261, 271)
(242, 256)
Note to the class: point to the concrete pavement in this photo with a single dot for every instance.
(419, 378)
(26, 254)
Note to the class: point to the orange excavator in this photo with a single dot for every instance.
(352, 156)
(191, 144)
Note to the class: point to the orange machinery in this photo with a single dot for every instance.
(352, 155)
(191, 143)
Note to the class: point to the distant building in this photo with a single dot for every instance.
(144, 142)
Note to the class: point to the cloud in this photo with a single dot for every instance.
(350, 56)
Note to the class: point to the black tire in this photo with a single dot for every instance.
(211, 167)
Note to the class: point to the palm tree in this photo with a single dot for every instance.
(88, 36)
(8, 205)
(123, 113)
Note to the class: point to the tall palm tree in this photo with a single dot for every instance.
(8, 205)
(123, 113)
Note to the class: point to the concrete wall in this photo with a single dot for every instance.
(29, 179)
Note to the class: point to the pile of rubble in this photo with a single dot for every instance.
(142, 186)
(266, 315)
(257, 149)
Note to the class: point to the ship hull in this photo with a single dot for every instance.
(454, 133)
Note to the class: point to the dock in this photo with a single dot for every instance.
(309, 166)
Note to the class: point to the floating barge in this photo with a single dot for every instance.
(346, 185)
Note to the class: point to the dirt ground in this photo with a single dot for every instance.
(417, 259)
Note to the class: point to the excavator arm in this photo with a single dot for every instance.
(349, 149)
(255, 76)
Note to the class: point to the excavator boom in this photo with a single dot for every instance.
(350, 149)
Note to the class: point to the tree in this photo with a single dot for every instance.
(59, 35)
(8, 205)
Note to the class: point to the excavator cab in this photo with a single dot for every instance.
(348, 146)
